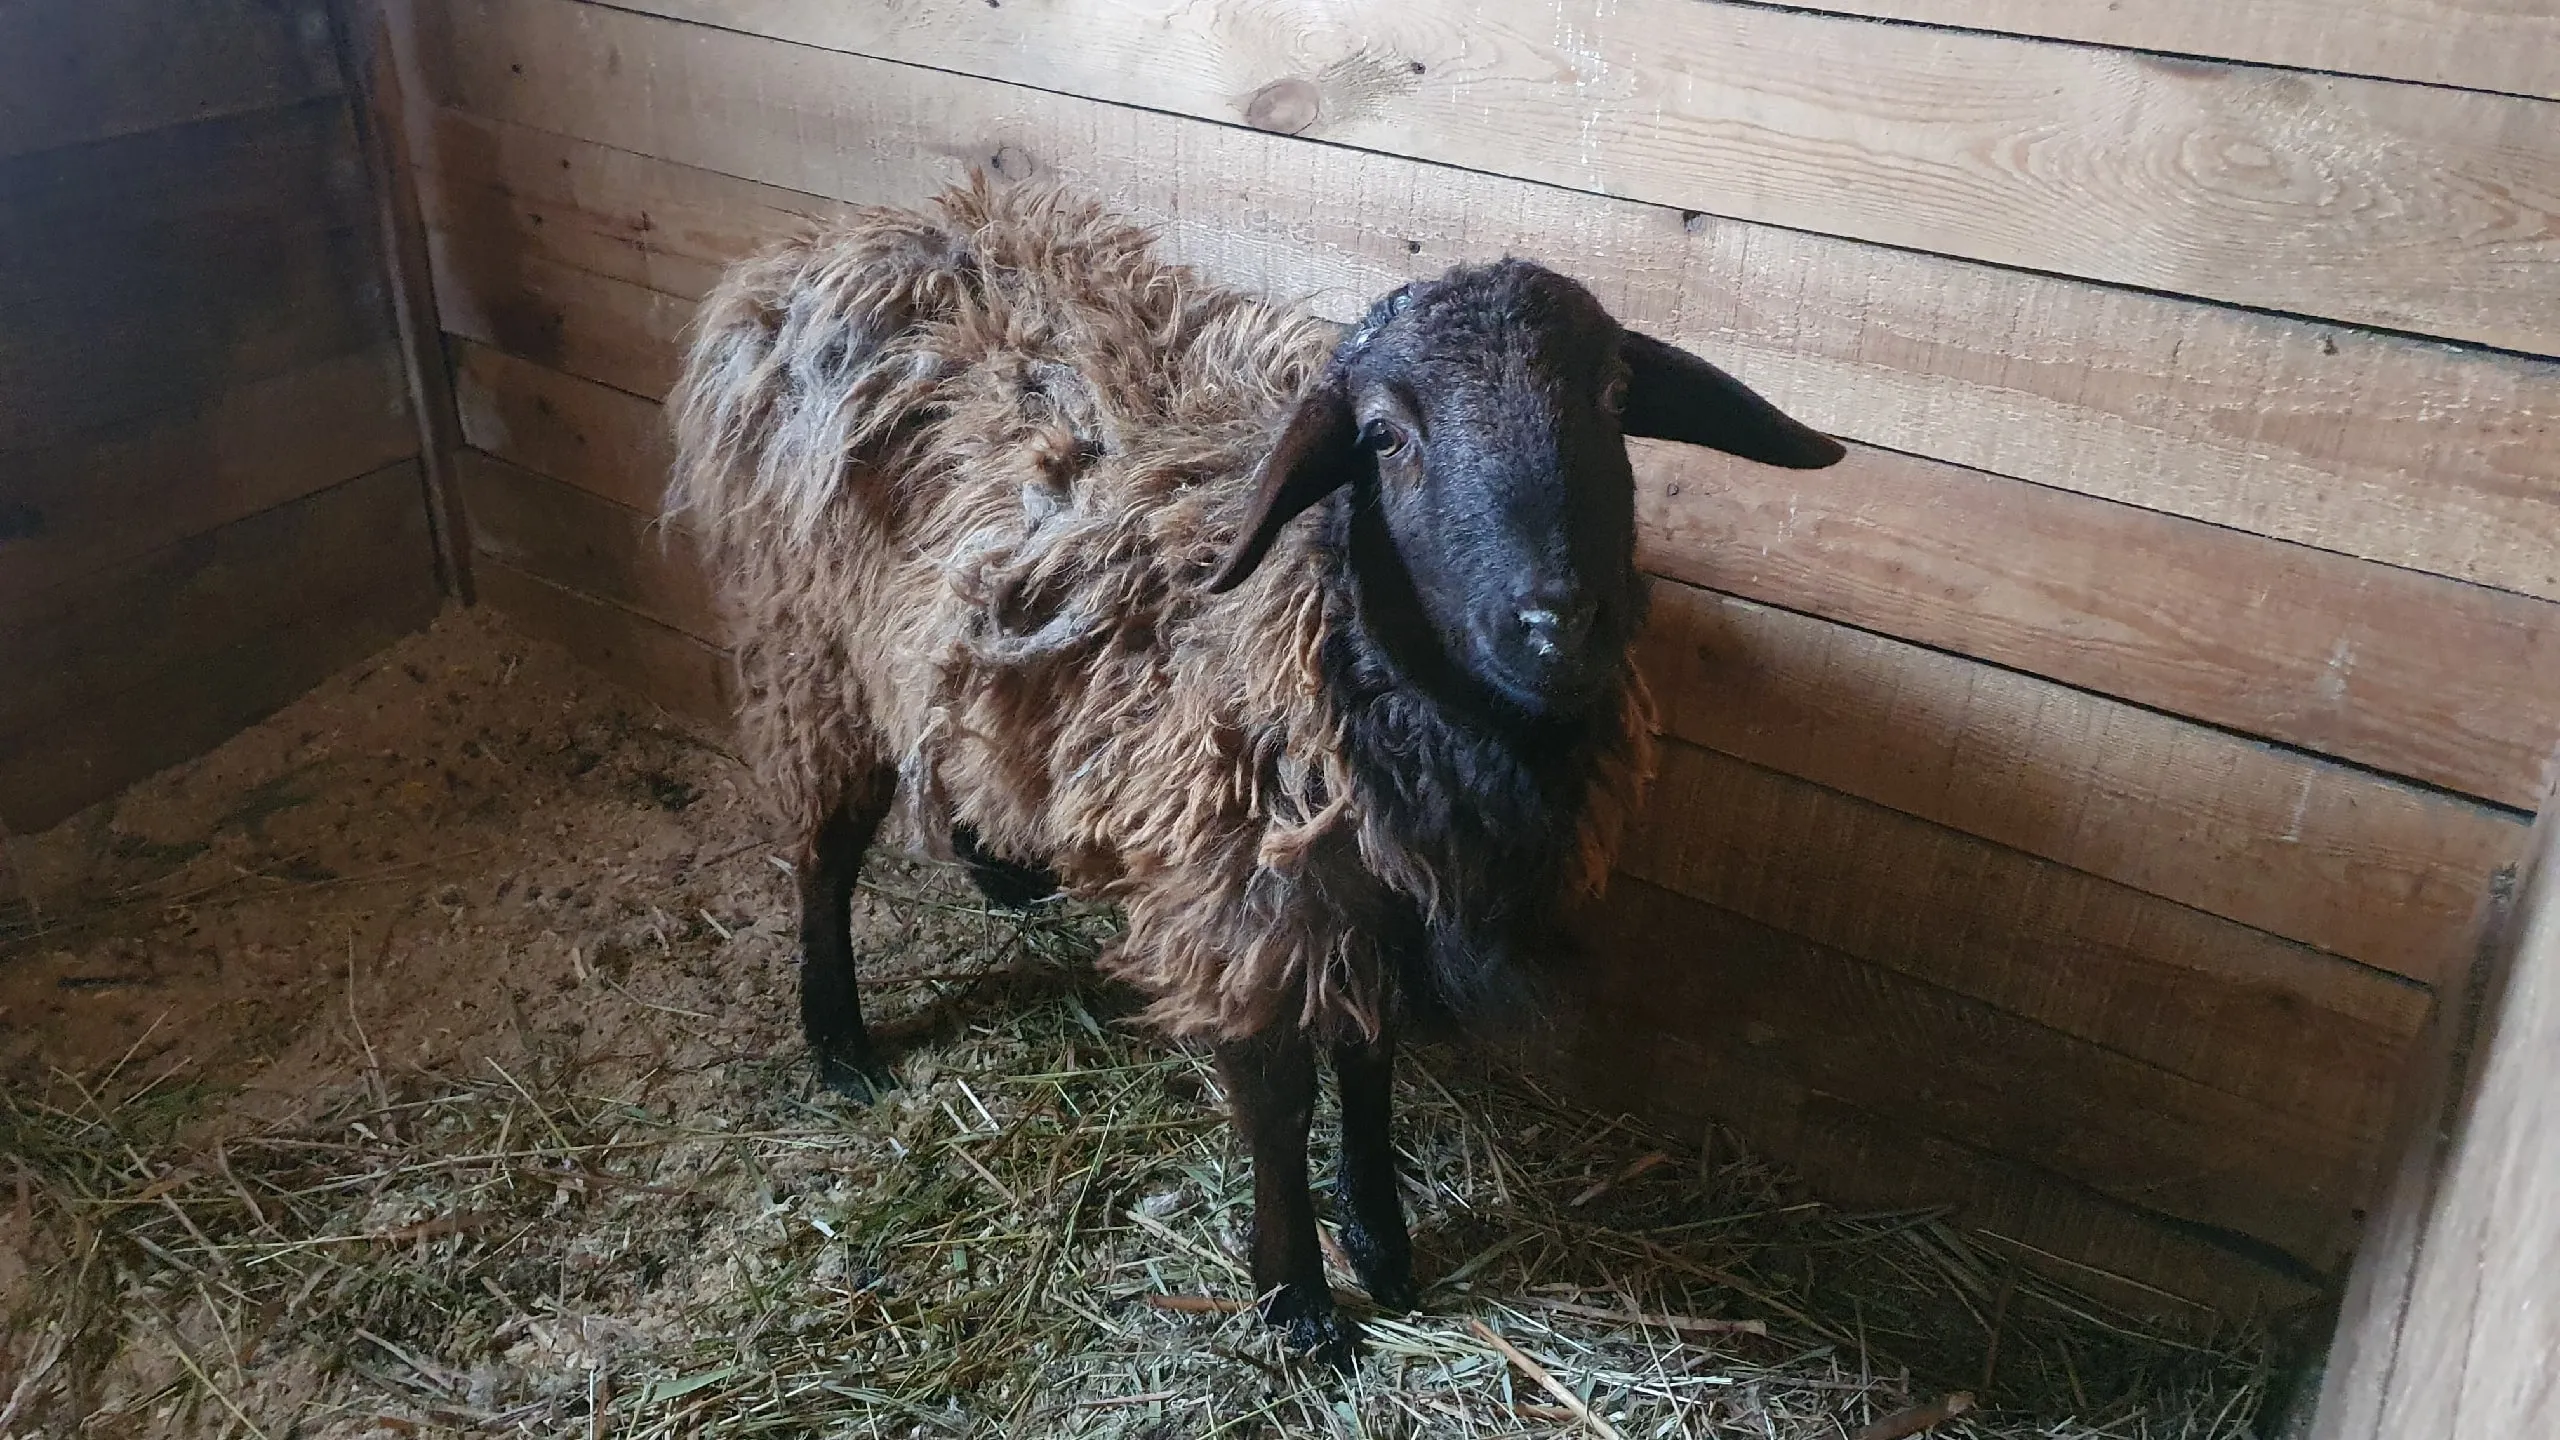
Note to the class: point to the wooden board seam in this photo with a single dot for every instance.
(1742, 135)
(2405, 983)
(2317, 757)
(1683, 212)
(2362, 34)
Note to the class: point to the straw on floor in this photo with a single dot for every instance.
(1036, 1236)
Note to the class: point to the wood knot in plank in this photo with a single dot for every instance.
(1284, 107)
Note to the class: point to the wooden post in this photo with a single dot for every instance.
(2450, 1327)
(373, 86)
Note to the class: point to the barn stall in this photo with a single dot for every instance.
(2079, 881)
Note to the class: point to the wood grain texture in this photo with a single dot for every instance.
(2407, 207)
(1715, 1013)
(164, 657)
(82, 70)
(2356, 1370)
(156, 271)
(295, 165)
(2505, 45)
(564, 535)
(2412, 674)
(2417, 455)
(1622, 1058)
(2260, 1019)
(667, 666)
(73, 510)
(595, 437)
(492, 186)
(623, 335)
(2042, 1221)
(2473, 1347)
(2385, 874)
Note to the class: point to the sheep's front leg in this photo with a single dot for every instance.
(830, 993)
(1364, 1190)
(1271, 1083)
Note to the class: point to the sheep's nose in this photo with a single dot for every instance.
(1550, 628)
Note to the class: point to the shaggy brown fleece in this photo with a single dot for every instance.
(962, 477)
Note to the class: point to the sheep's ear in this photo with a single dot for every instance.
(1674, 395)
(1317, 454)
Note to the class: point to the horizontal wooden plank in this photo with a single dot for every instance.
(1758, 1020)
(624, 335)
(2476, 44)
(562, 534)
(664, 665)
(115, 629)
(79, 70)
(162, 270)
(2377, 871)
(2381, 204)
(1615, 1050)
(2138, 1260)
(2268, 1021)
(2414, 674)
(165, 657)
(496, 187)
(70, 511)
(296, 165)
(593, 436)
(121, 332)
(2418, 455)
(2417, 675)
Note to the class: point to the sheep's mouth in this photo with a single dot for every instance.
(1542, 688)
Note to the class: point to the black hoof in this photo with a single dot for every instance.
(858, 1078)
(1385, 1271)
(1332, 1339)
(1313, 1328)
(1395, 1294)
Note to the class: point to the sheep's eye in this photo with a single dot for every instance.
(1613, 396)
(1385, 438)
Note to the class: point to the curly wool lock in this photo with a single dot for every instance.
(961, 478)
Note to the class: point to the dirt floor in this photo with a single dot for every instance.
(423, 1062)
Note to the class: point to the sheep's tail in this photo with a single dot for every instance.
(805, 362)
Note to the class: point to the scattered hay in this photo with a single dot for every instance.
(1035, 1236)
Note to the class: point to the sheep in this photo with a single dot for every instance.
(1000, 505)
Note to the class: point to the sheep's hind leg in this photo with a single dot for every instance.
(830, 992)
(1364, 1188)
(1007, 884)
(1271, 1082)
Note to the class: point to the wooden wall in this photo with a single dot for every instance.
(2446, 1329)
(209, 496)
(2071, 799)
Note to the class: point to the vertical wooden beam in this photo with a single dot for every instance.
(2449, 1327)
(366, 55)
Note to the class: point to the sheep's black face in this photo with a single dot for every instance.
(1479, 422)
(1486, 411)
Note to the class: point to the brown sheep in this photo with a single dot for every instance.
(999, 503)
